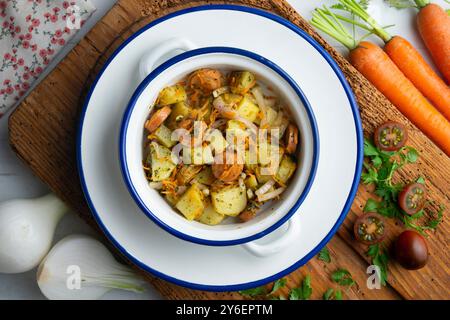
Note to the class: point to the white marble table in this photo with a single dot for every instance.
(17, 181)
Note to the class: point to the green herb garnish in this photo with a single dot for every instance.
(343, 277)
(303, 292)
(324, 255)
(254, 292)
(330, 294)
(379, 171)
(280, 283)
(380, 258)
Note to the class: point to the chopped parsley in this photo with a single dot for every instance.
(303, 292)
(379, 258)
(324, 255)
(331, 294)
(343, 277)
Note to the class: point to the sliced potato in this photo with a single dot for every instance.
(251, 160)
(161, 162)
(172, 199)
(191, 203)
(271, 115)
(251, 182)
(171, 95)
(231, 100)
(236, 128)
(262, 178)
(230, 200)
(179, 111)
(242, 82)
(202, 155)
(211, 217)
(267, 152)
(217, 142)
(286, 170)
(164, 136)
(205, 176)
(247, 109)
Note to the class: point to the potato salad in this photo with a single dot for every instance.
(219, 144)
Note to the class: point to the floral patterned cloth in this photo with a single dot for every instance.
(32, 32)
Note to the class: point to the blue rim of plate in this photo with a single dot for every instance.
(348, 203)
(179, 59)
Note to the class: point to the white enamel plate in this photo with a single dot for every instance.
(231, 267)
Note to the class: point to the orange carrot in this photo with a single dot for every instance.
(379, 69)
(434, 27)
(406, 57)
(416, 69)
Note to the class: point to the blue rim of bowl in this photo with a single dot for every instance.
(347, 205)
(179, 59)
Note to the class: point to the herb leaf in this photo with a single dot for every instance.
(254, 292)
(280, 283)
(371, 206)
(324, 255)
(328, 294)
(380, 258)
(303, 292)
(342, 277)
(420, 180)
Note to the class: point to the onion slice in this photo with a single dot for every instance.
(220, 91)
(155, 185)
(265, 187)
(271, 195)
(247, 123)
(218, 123)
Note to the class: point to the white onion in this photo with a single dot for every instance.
(218, 123)
(155, 185)
(247, 123)
(265, 187)
(80, 267)
(225, 111)
(220, 91)
(181, 190)
(26, 231)
(271, 195)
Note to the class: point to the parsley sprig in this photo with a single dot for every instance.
(303, 292)
(324, 255)
(379, 258)
(343, 277)
(331, 294)
(379, 170)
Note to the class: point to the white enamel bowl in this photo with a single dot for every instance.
(132, 134)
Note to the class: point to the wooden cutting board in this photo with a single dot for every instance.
(43, 130)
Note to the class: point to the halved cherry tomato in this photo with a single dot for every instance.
(412, 198)
(369, 228)
(390, 136)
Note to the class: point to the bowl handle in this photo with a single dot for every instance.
(286, 239)
(161, 53)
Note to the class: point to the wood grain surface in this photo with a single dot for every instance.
(43, 131)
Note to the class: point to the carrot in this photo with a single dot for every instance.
(416, 69)
(434, 28)
(378, 68)
(407, 59)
